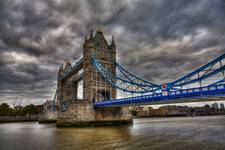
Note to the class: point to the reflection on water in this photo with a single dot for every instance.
(159, 133)
(93, 138)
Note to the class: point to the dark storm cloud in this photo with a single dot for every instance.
(174, 35)
(159, 40)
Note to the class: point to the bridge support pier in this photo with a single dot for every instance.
(83, 114)
(48, 117)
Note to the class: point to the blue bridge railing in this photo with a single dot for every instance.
(216, 90)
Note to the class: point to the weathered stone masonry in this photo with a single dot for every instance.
(80, 112)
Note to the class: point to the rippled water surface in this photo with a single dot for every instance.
(188, 133)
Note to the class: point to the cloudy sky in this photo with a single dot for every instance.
(159, 40)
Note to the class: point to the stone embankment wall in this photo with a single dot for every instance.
(48, 117)
(5, 119)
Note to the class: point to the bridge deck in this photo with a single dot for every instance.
(78, 66)
(212, 93)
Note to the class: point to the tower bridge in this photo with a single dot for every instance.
(109, 89)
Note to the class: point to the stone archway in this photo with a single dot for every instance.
(101, 95)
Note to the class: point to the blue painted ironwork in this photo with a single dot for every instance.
(133, 77)
(218, 82)
(197, 76)
(74, 67)
(217, 90)
(129, 82)
(188, 86)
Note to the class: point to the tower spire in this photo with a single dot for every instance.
(113, 42)
(85, 39)
(91, 35)
(113, 45)
(99, 29)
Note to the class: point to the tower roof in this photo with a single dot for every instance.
(99, 38)
(113, 42)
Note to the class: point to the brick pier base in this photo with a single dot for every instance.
(85, 115)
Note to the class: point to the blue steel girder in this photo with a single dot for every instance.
(119, 82)
(205, 72)
(75, 68)
(218, 82)
(128, 75)
(203, 77)
(133, 78)
(129, 82)
(183, 95)
(174, 90)
(97, 63)
(123, 84)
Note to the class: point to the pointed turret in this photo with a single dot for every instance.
(99, 39)
(91, 36)
(90, 41)
(60, 72)
(67, 66)
(113, 45)
(85, 38)
(85, 41)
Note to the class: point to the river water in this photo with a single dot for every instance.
(185, 133)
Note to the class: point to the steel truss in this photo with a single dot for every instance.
(206, 80)
(125, 80)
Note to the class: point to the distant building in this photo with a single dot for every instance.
(39, 108)
(222, 106)
(173, 110)
(215, 106)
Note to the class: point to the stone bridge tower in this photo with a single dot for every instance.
(96, 88)
(81, 112)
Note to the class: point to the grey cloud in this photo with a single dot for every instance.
(158, 40)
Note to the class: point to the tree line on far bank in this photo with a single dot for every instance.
(6, 110)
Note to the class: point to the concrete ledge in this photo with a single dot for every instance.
(94, 123)
(8, 119)
(48, 117)
(13, 121)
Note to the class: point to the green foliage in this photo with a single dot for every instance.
(5, 110)
(18, 112)
(30, 109)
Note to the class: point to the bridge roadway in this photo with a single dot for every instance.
(78, 66)
(200, 94)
